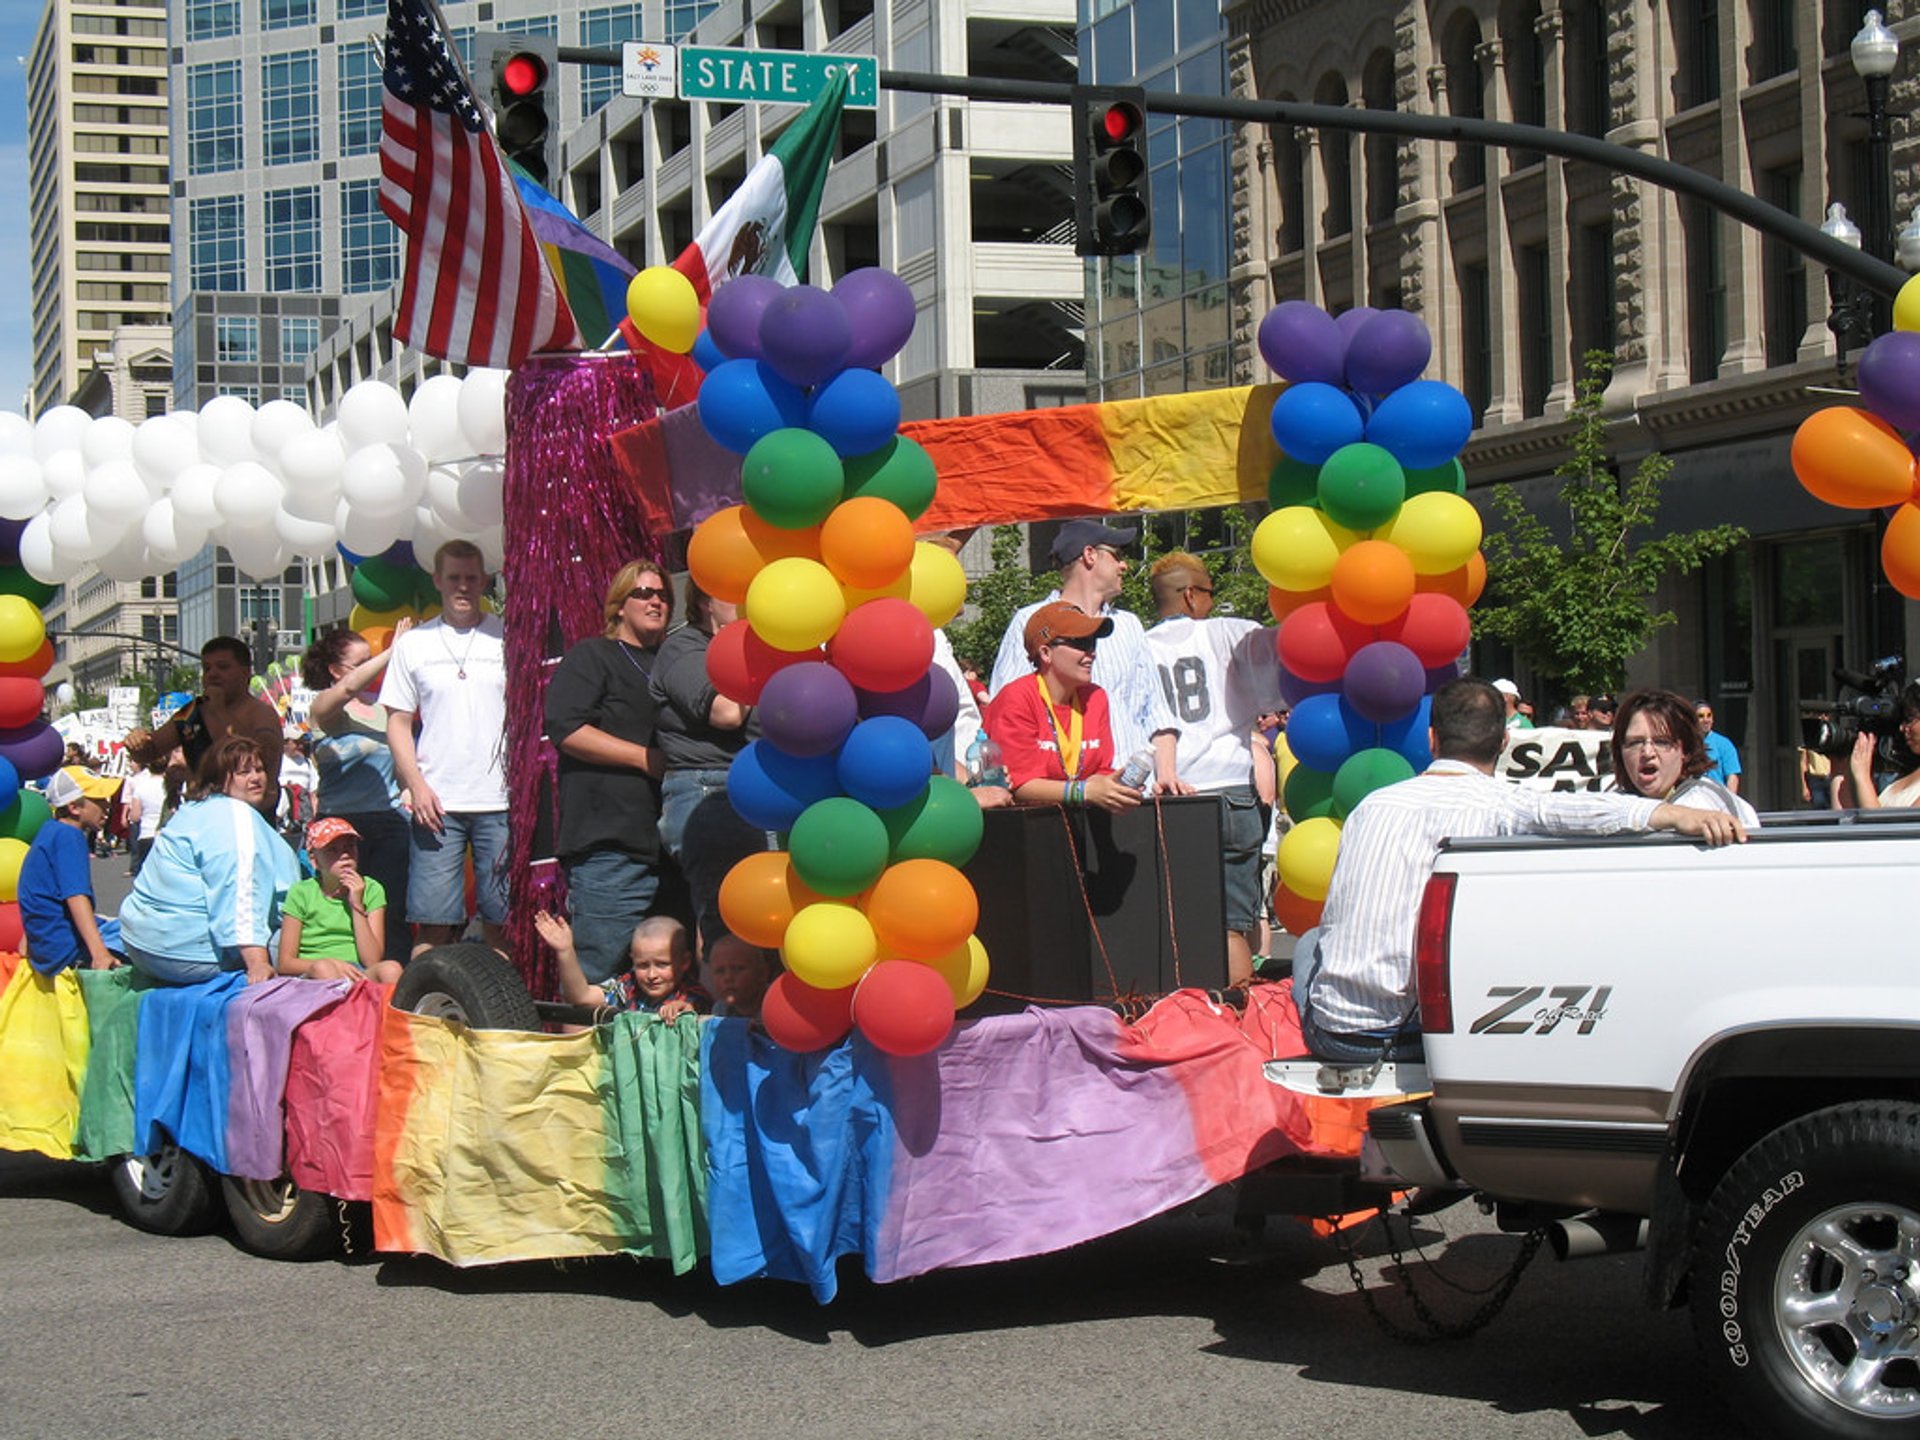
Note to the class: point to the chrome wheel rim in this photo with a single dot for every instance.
(439, 1005)
(272, 1200)
(1847, 1303)
(153, 1175)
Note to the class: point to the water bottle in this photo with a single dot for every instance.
(993, 767)
(973, 758)
(1138, 769)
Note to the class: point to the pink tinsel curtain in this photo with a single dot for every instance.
(571, 523)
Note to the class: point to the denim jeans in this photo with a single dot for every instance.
(437, 875)
(169, 971)
(1341, 1047)
(706, 837)
(609, 892)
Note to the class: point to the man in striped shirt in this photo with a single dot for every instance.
(1354, 978)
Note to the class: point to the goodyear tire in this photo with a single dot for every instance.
(1806, 1282)
(168, 1192)
(279, 1220)
(469, 983)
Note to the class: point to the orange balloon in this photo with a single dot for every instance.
(867, 542)
(760, 895)
(1465, 584)
(36, 664)
(922, 909)
(1852, 458)
(1900, 551)
(1297, 913)
(1284, 602)
(730, 547)
(773, 543)
(1372, 581)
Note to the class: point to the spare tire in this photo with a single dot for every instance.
(469, 983)
(281, 1221)
(168, 1192)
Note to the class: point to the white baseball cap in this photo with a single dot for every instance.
(1507, 687)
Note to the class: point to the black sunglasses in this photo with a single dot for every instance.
(648, 592)
(1203, 589)
(1078, 642)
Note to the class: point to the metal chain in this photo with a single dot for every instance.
(1436, 1328)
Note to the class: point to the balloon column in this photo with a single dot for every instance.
(865, 901)
(1861, 459)
(1373, 555)
(29, 747)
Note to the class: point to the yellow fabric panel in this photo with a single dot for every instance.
(43, 1061)
(1178, 452)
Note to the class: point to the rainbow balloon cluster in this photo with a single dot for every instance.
(30, 748)
(1862, 459)
(390, 588)
(865, 901)
(1373, 555)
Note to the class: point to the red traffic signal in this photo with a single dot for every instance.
(526, 100)
(522, 73)
(1112, 215)
(1122, 120)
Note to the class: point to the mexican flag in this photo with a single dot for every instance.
(765, 228)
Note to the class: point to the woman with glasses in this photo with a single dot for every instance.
(1905, 791)
(600, 715)
(1658, 752)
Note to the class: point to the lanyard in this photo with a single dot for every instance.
(1069, 743)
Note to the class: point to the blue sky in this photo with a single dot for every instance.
(18, 20)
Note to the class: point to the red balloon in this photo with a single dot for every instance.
(1284, 602)
(1317, 640)
(903, 1007)
(35, 664)
(1294, 911)
(1435, 628)
(21, 697)
(803, 1019)
(739, 662)
(885, 644)
(11, 931)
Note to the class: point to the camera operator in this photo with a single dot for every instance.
(1904, 792)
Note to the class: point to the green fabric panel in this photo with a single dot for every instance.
(653, 1134)
(106, 1096)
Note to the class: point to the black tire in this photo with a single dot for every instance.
(279, 1220)
(469, 983)
(1802, 1341)
(168, 1192)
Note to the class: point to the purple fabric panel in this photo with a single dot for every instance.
(260, 1025)
(706, 475)
(1028, 1133)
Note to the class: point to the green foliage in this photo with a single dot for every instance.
(995, 596)
(1578, 611)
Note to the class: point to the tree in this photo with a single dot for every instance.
(1577, 609)
(995, 596)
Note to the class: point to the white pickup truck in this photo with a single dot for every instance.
(1715, 1053)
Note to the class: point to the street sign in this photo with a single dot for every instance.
(647, 70)
(774, 77)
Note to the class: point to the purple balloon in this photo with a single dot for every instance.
(1312, 420)
(1301, 342)
(1890, 378)
(10, 532)
(1387, 350)
(807, 709)
(1384, 681)
(33, 750)
(733, 315)
(932, 702)
(1442, 675)
(1351, 320)
(805, 334)
(1293, 689)
(880, 311)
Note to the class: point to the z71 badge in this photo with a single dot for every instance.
(1520, 1013)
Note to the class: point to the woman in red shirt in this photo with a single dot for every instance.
(1053, 727)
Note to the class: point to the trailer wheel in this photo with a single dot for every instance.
(279, 1220)
(469, 983)
(168, 1192)
(1806, 1281)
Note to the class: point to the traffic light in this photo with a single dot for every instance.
(1112, 213)
(526, 102)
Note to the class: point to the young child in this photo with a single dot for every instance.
(334, 925)
(661, 961)
(56, 879)
(739, 974)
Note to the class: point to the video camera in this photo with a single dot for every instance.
(1868, 703)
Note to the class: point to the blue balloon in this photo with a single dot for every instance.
(743, 400)
(1293, 689)
(10, 782)
(348, 555)
(706, 354)
(1409, 735)
(1421, 425)
(856, 412)
(1324, 730)
(768, 788)
(1313, 420)
(886, 762)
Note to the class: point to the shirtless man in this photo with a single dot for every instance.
(225, 707)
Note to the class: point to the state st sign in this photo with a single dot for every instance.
(774, 77)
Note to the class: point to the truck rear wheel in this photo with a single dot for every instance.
(1806, 1282)
(279, 1220)
(469, 983)
(168, 1192)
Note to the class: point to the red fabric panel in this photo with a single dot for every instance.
(332, 1084)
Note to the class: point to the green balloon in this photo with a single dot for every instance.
(1293, 482)
(425, 597)
(24, 816)
(1362, 486)
(381, 585)
(791, 479)
(14, 580)
(943, 823)
(899, 471)
(838, 846)
(1450, 478)
(1309, 794)
(1365, 772)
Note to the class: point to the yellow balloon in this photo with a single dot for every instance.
(827, 946)
(1906, 306)
(22, 630)
(1296, 548)
(964, 968)
(1439, 531)
(938, 585)
(1283, 760)
(795, 604)
(361, 618)
(13, 854)
(665, 307)
(900, 589)
(1306, 854)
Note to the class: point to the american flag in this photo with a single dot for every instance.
(476, 290)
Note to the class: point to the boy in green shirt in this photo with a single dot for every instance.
(334, 925)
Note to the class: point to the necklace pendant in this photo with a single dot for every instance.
(461, 674)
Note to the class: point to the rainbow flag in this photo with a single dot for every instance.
(592, 275)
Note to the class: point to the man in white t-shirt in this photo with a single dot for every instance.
(1209, 671)
(451, 675)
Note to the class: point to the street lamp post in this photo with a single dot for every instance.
(1856, 313)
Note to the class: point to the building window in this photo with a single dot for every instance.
(248, 393)
(1774, 51)
(1706, 294)
(219, 248)
(369, 245)
(1785, 271)
(683, 15)
(1336, 165)
(211, 19)
(1289, 174)
(1381, 152)
(1536, 330)
(1476, 339)
(236, 339)
(350, 9)
(605, 28)
(1466, 97)
(1593, 320)
(1526, 78)
(1698, 23)
(359, 100)
(285, 14)
(214, 118)
(299, 338)
(293, 239)
(290, 106)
